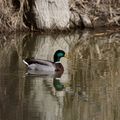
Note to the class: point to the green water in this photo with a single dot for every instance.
(91, 78)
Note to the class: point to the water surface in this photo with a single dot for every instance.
(91, 78)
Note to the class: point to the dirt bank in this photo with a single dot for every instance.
(95, 13)
(19, 15)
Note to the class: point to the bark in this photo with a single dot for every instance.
(51, 14)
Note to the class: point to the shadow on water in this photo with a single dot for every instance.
(89, 88)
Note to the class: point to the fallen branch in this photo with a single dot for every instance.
(114, 19)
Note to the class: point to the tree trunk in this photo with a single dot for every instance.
(51, 14)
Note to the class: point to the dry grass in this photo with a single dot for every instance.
(107, 11)
(11, 17)
(94, 71)
(11, 13)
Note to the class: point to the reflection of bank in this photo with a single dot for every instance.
(45, 47)
(99, 79)
(19, 46)
(89, 74)
(11, 79)
(40, 101)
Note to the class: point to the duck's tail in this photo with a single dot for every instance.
(25, 62)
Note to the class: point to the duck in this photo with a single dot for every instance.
(46, 66)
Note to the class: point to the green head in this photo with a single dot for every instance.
(58, 54)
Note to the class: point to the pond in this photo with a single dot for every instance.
(91, 78)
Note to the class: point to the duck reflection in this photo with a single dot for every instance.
(59, 93)
(57, 84)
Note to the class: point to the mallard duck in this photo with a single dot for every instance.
(39, 65)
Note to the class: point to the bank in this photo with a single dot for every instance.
(52, 15)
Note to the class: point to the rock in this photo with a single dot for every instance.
(75, 20)
(86, 21)
(99, 23)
